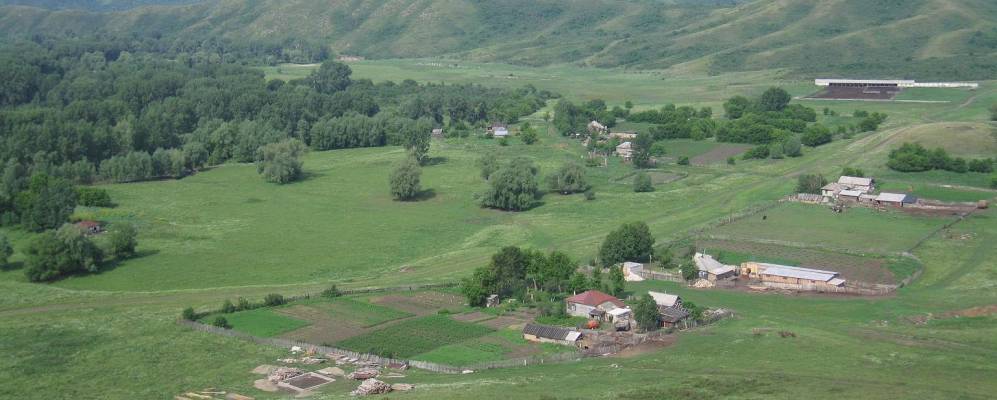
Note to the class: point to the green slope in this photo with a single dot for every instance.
(925, 39)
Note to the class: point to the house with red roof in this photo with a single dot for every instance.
(592, 304)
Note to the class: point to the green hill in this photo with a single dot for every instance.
(923, 39)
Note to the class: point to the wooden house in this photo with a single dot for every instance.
(787, 276)
(592, 304)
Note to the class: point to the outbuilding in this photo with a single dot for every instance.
(711, 269)
(633, 272)
(894, 199)
(625, 150)
(551, 334)
(799, 277)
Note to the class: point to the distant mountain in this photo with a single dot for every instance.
(93, 5)
(925, 39)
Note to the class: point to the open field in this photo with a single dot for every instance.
(224, 233)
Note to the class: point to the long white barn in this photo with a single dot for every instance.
(902, 83)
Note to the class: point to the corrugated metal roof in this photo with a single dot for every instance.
(551, 332)
(836, 282)
(705, 262)
(616, 312)
(796, 272)
(850, 193)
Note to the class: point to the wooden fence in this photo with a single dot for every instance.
(660, 276)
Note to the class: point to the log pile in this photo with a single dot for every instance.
(371, 387)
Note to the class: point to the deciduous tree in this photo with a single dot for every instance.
(405, 180)
(630, 242)
(279, 162)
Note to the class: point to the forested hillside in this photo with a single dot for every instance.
(923, 39)
(94, 5)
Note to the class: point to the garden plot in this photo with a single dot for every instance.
(423, 303)
(415, 336)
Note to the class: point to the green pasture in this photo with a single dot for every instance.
(260, 322)
(224, 233)
(858, 229)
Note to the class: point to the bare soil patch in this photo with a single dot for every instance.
(647, 347)
(424, 303)
(324, 327)
(980, 311)
(502, 322)
(473, 317)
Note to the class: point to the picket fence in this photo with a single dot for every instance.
(375, 359)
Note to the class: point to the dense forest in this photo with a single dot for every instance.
(77, 112)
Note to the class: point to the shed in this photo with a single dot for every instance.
(550, 334)
(787, 275)
(671, 316)
(850, 194)
(865, 185)
(666, 300)
(711, 269)
(894, 199)
(437, 133)
(595, 126)
(632, 271)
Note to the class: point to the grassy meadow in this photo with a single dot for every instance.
(224, 233)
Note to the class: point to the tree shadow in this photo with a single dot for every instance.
(424, 195)
(113, 263)
(12, 266)
(436, 160)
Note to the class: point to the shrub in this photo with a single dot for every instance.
(731, 161)
(642, 183)
(56, 254)
(570, 178)
(849, 171)
(244, 304)
(513, 187)
(221, 322)
(792, 147)
(93, 197)
(405, 180)
(757, 152)
(273, 300)
(590, 194)
(689, 271)
(123, 241)
(816, 135)
(331, 292)
(504, 141)
(189, 314)
(993, 182)
(810, 183)
(684, 160)
(228, 307)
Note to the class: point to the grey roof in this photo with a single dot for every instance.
(895, 198)
(672, 314)
(850, 193)
(854, 181)
(797, 272)
(705, 262)
(551, 332)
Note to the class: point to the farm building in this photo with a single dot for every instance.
(672, 316)
(621, 318)
(711, 269)
(632, 271)
(437, 133)
(894, 199)
(551, 334)
(592, 303)
(779, 275)
(876, 89)
(90, 227)
(625, 150)
(596, 127)
(498, 130)
(666, 300)
(492, 301)
(624, 136)
(854, 186)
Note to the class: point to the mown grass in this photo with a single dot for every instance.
(260, 322)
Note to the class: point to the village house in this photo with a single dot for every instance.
(625, 150)
(437, 133)
(666, 300)
(592, 304)
(849, 187)
(90, 227)
(894, 199)
(596, 127)
(713, 270)
(670, 310)
(632, 272)
(795, 277)
(551, 334)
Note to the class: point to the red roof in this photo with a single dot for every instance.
(594, 298)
